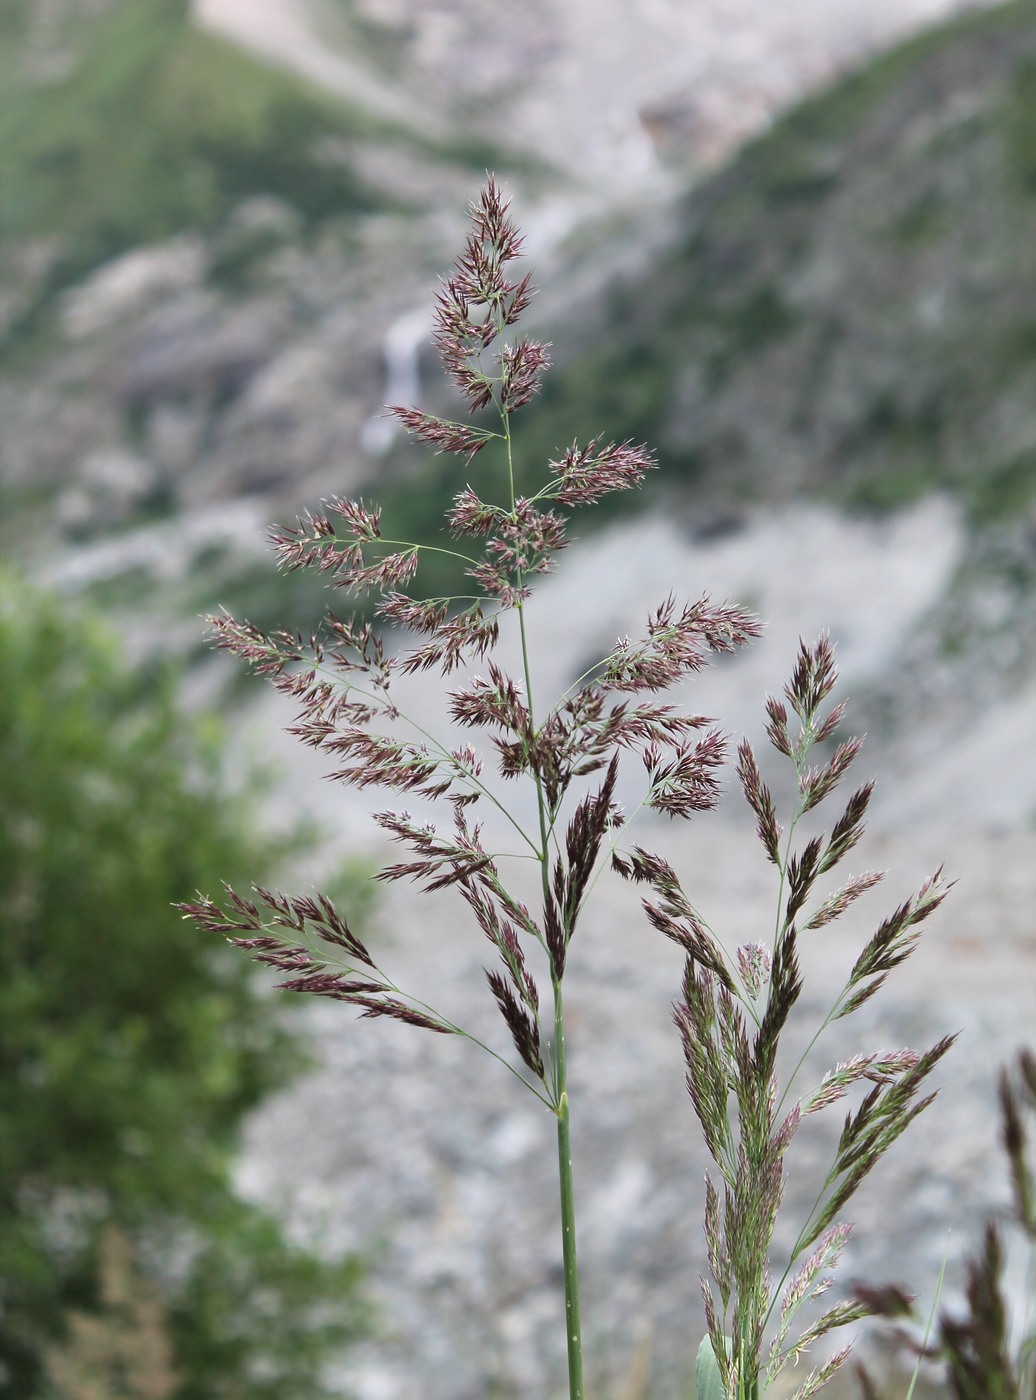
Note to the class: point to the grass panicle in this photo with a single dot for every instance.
(734, 1008)
(732, 1016)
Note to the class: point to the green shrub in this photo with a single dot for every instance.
(130, 1048)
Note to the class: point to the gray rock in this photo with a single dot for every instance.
(131, 282)
(111, 483)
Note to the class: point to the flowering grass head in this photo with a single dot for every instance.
(341, 678)
(568, 751)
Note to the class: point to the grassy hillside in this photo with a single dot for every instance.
(131, 125)
(851, 306)
(121, 123)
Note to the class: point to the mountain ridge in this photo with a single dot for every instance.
(842, 310)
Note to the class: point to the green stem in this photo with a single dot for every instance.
(748, 1381)
(425, 549)
(573, 1326)
(929, 1325)
(806, 1053)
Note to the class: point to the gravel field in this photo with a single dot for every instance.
(425, 1152)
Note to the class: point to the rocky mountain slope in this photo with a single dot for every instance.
(203, 253)
(848, 307)
(609, 95)
(829, 340)
(209, 262)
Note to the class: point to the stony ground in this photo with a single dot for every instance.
(599, 88)
(428, 1155)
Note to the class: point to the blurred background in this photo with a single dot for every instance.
(791, 247)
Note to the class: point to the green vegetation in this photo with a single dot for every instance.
(131, 1048)
(133, 124)
(1007, 490)
(846, 296)
(924, 221)
(1020, 124)
(155, 126)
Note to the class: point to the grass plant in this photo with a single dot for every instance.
(732, 1007)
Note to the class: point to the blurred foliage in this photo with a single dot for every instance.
(122, 1349)
(130, 1050)
(149, 125)
(1020, 120)
(124, 123)
(844, 311)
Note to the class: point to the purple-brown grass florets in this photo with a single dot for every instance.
(677, 644)
(478, 303)
(585, 474)
(461, 439)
